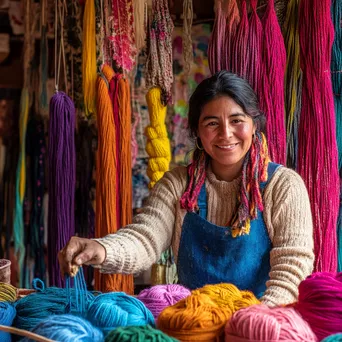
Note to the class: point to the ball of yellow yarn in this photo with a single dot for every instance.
(195, 318)
(228, 295)
(8, 293)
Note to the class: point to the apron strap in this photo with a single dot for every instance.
(202, 202)
(271, 169)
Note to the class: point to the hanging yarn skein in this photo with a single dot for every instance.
(188, 14)
(138, 334)
(89, 58)
(317, 162)
(293, 80)
(62, 173)
(158, 145)
(139, 7)
(239, 54)
(320, 303)
(274, 64)
(261, 323)
(7, 315)
(216, 42)
(112, 310)
(66, 328)
(158, 297)
(195, 318)
(232, 14)
(107, 178)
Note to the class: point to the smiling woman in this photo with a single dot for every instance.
(231, 216)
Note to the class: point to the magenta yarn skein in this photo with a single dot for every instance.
(158, 297)
(320, 303)
(261, 323)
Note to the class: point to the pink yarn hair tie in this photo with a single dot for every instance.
(320, 303)
(158, 297)
(259, 323)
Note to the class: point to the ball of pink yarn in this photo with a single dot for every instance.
(320, 303)
(261, 323)
(158, 297)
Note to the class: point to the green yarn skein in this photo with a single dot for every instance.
(138, 334)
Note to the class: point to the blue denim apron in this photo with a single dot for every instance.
(208, 254)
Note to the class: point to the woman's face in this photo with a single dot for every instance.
(226, 133)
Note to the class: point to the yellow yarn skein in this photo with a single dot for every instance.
(158, 144)
(228, 295)
(8, 293)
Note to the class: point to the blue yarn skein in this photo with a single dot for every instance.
(66, 328)
(50, 301)
(117, 309)
(333, 338)
(7, 314)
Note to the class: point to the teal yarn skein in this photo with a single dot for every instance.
(66, 328)
(138, 334)
(7, 314)
(49, 301)
(117, 309)
(333, 338)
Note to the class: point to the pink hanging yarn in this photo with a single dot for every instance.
(158, 297)
(317, 149)
(320, 303)
(261, 323)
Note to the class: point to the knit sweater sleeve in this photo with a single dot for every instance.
(137, 246)
(288, 218)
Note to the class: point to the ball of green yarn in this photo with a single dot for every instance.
(138, 334)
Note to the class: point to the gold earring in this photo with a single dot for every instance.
(197, 145)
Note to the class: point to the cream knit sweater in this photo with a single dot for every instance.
(287, 216)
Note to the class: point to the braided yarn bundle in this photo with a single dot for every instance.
(261, 323)
(111, 310)
(8, 293)
(62, 176)
(318, 161)
(138, 334)
(228, 295)
(320, 303)
(333, 338)
(158, 297)
(158, 144)
(195, 318)
(66, 328)
(7, 314)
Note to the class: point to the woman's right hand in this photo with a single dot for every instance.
(79, 251)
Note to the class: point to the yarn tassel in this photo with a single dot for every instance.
(106, 179)
(158, 144)
(317, 151)
(336, 77)
(62, 174)
(293, 78)
(89, 59)
(274, 71)
(233, 18)
(18, 231)
(216, 42)
(239, 52)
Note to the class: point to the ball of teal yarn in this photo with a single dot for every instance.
(116, 309)
(67, 328)
(44, 303)
(333, 338)
(7, 314)
(138, 334)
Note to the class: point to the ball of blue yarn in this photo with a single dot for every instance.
(333, 338)
(44, 303)
(116, 309)
(66, 328)
(7, 314)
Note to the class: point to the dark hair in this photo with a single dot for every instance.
(224, 83)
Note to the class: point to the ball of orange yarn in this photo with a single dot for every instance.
(225, 294)
(261, 323)
(195, 318)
